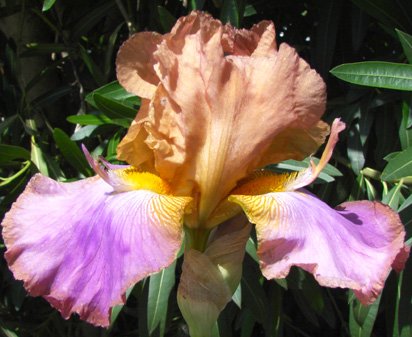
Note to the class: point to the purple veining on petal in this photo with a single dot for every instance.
(81, 246)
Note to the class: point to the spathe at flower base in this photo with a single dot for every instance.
(218, 104)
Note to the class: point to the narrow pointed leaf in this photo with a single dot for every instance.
(232, 12)
(38, 158)
(12, 152)
(71, 152)
(405, 302)
(406, 41)
(98, 119)
(167, 20)
(47, 4)
(160, 286)
(376, 74)
(399, 166)
(362, 318)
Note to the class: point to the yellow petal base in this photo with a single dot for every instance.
(137, 180)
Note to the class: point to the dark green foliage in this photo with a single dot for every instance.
(57, 91)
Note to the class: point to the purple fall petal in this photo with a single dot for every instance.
(353, 247)
(81, 246)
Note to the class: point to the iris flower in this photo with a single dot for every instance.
(218, 105)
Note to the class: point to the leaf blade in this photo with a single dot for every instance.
(376, 74)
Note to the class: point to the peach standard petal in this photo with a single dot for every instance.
(132, 147)
(260, 40)
(134, 64)
(223, 98)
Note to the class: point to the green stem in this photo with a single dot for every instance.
(197, 238)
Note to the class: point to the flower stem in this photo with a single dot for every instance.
(196, 238)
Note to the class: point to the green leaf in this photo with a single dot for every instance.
(398, 167)
(12, 152)
(376, 74)
(94, 70)
(326, 175)
(7, 123)
(406, 41)
(114, 101)
(387, 12)
(38, 157)
(13, 190)
(237, 296)
(45, 72)
(197, 4)
(370, 190)
(249, 10)
(110, 47)
(47, 4)
(358, 188)
(7, 332)
(232, 12)
(326, 32)
(392, 198)
(118, 308)
(405, 133)
(6, 182)
(167, 20)
(52, 95)
(160, 287)
(115, 91)
(71, 152)
(355, 149)
(362, 318)
(246, 323)
(90, 19)
(90, 119)
(253, 296)
(98, 119)
(113, 108)
(305, 307)
(405, 301)
(406, 203)
(251, 249)
(273, 321)
(112, 145)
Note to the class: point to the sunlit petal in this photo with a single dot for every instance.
(230, 107)
(260, 40)
(81, 245)
(351, 247)
(297, 144)
(134, 64)
(133, 149)
(309, 175)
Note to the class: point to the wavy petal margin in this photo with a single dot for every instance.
(212, 81)
(134, 64)
(353, 247)
(81, 245)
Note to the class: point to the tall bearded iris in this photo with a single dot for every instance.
(218, 105)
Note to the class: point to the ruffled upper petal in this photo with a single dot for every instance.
(81, 244)
(229, 107)
(134, 64)
(294, 143)
(260, 40)
(353, 247)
